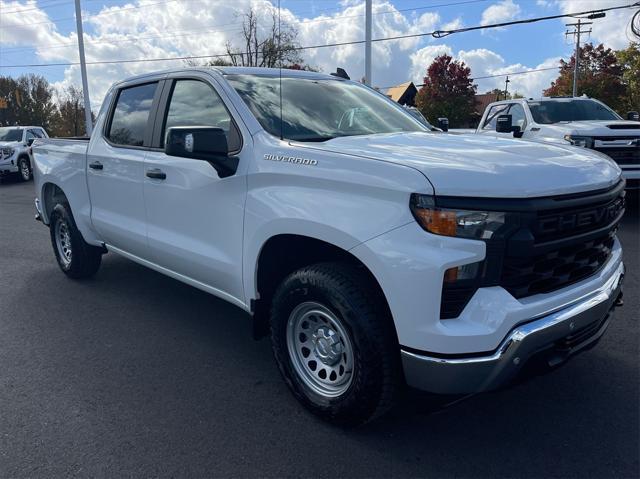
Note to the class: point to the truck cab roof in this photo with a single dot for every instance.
(231, 70)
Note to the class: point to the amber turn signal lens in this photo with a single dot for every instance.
(441, 222)
(451, 275)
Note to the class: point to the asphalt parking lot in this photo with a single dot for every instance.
(135, 374)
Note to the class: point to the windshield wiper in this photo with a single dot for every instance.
(314, 138)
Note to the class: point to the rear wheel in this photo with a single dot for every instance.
(24, 169)
(76, 258)
(335, 343)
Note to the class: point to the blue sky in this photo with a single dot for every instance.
(44, 32)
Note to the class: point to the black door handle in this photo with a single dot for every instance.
(96, 165)
(156, 174)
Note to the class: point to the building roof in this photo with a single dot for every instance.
(483, 100)
(396, 92)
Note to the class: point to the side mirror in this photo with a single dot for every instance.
(443, 124)
(517, 131)
(504, 124)
(633, 116)
(205, 143)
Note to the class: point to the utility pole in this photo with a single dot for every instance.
(367, 43)
(577, 31)
(83, 70)
(506, 88)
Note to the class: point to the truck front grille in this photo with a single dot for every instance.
(557, 268)
(560, 246)
(622, 156)
(546, 244)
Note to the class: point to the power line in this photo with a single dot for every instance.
(45, 6)
(319, 20)
(523, 72)
(436, 34)
(39, 7)
(444, 33)
(98, 15)
(498, 75)
(164, 35)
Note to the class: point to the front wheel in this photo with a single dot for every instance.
(76, 258)
(24, 169)
(335, 343)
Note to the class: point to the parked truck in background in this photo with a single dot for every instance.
(373, 251)
(580, 121)
(15, 149)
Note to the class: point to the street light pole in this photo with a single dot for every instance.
(367, 43)
(83, 70)
(506, 88)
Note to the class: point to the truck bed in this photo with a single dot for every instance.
(63, 162)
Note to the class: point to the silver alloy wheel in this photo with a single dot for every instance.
(24, 170)
(63, 242)
(320, 349)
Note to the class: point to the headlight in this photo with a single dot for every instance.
(459, 223)
(583, 141)
(7, 151)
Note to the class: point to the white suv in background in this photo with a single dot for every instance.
(580, 121)
(15, 149)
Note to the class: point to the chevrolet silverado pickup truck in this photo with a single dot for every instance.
(374, 252)
(15, 149)
(578, 121)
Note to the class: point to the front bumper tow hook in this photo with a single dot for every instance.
(619, 300)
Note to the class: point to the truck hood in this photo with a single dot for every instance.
(592, 128)
(472, 165)
(13, 144)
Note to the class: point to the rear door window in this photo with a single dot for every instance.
(131, 115)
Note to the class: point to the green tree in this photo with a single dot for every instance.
(448, 91)
(27, 100)
(9, 96)
(599, 76)
(501, 96)
(629, 59)
(70, 119)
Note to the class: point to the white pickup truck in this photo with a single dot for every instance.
(579, 121)
(374, 252)
(15, 149)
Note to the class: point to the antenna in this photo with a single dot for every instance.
(280, 65)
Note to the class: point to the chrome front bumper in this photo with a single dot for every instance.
(556, 336)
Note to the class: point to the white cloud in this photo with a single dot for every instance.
(421, 59)
(453, 24)
(487, 63)
(132, 31)
(500, 12)
(481, 61)
(174, 29)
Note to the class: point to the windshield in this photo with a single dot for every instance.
(10, 134)
(319, 109)
(555, 111)
(420, 117)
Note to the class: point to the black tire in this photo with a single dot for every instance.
(24, 169)
(84, 259)
(347, 292)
